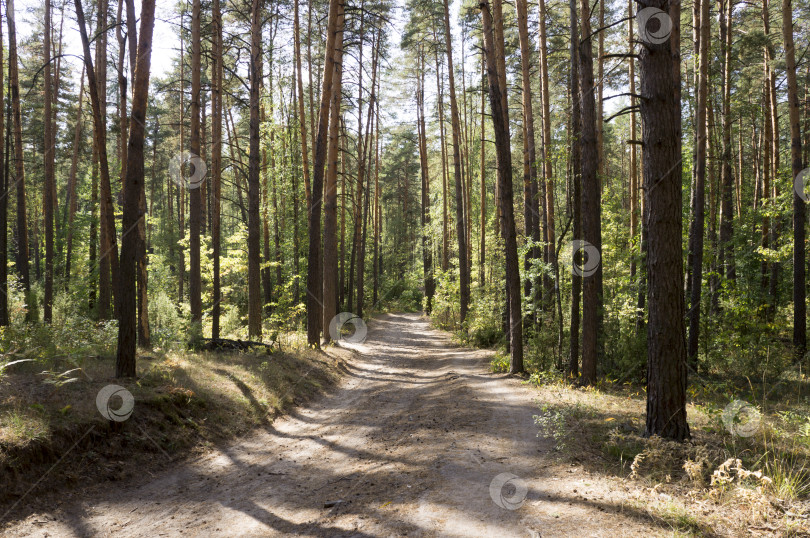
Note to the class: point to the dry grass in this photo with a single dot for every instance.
(183, 402)
(717, 484)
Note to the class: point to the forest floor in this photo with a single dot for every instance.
(413, 441)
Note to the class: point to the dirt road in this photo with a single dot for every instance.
(408, 445)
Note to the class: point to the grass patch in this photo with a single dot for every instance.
(716, 484)
(183, 402)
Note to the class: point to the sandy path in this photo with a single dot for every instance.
(406, 446)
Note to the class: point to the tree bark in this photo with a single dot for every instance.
(216, 162)
(195, 202)
(483, 201)
(19, 168)
(109, 245)
(302, 118)
(661, 127)
(463, 264)
(726, 176)
(548, 232)
(254, 235)
(125, 357)
(530, 215)
(696, 231)
(48, 186)
(5, 129)
(799, 218)
(427, 248)
(591, 204)
(500, 122)
(330, 254)
(72, 202)
(576, 186)
(315, 268)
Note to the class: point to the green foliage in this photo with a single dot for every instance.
(165, 322)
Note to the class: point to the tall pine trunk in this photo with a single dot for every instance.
(216, 162)
(576, 186)
(696, 231)
(500, 122)
(330, 254)
(661, 126)
(315, 268)
(799, 218)
(591, 203)
(254, 283)
(48, 186)
(134, 186)
(19, 168)
(195, 201)
(463, 264)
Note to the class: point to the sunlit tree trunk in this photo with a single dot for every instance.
(134, 186)
(330, 254)
(464, 275)
(548, 232)
(483, 201)
(254, 255)
(591, 203)
(48, 186)
(194, 276)
(315, 268)
(302, 118)
(661, 126)
(799, 219)
(4, 169)
(500, 122)
(427, 249)
(531, 216)
(216, 162)
(576, 187)
(19, 168)
(726, 176)
(696, 231)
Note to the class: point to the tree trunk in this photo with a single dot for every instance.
(696, 231)
(302, 118)
(5, 116)
(109, 245)
(500, 122)
(48, 186)
(548, 233)
(315, 269)
(799, 219)
(463, 264)
(216, 162)
(726, 176)
(427, 248)
(195, 202)
(144, 336)
(365, 174)
(576, 187)
(330, 254)
(634, 183)
(254, 236)
(530, 215)
(591, 204)
(122, 98)
(72, 202)
(483, 201)
(19, 168)
(666, 352)
(442, 145)
(125, 357)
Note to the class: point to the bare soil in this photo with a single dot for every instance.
(406, 445)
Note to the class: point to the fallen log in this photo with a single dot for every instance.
(226, 344)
